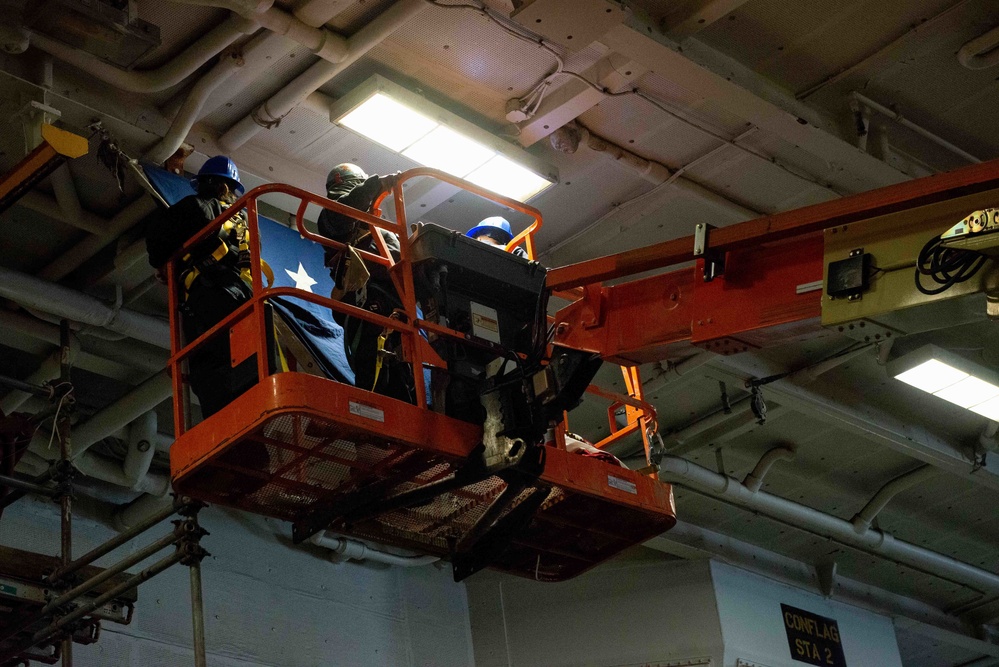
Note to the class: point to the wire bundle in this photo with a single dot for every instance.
(946, 266)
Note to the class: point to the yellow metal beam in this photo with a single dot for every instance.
(57, 147)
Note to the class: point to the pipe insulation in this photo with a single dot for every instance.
(754, 480)
(179, 67)
(286, 99)
(32, 292)
(254, 55)
(347, 549)
(729, 490)
(862, 520)
(981, 52)
(125, 410)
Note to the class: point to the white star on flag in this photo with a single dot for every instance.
(302, 279)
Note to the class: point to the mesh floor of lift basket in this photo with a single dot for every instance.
(295, 443)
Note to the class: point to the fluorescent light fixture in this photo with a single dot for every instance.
(508, 178)
(411, 125)
(391, 124)
(449, 151)
(951, 377)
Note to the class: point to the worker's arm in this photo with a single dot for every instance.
(338, 226)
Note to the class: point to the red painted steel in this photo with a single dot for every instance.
(790, 224)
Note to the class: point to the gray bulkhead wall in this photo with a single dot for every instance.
(632, 613)
(266, 602)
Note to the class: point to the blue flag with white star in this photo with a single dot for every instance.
(296, 262)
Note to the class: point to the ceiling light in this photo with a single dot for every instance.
(391, 124)
(409, 124)
(951, 377)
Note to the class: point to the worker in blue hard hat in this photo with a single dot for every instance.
(211, 275)
(495, 231)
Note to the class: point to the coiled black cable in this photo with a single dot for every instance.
(945, 266)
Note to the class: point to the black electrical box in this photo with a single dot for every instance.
(479, 289)
(849, 277)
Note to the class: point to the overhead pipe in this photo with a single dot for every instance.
(862, 520)
(569, 138)
(286, 99)
(257, 55)
(125, 410)
(731, 491)
(754, 480)
(253, 55)
(63, 302)
(981, 52)
(347, 549)
(910, 439)
(664, 377)
(904, 122)
(176, 70)
(141, 448)
(796, 573)
(324, 43)
(319, 12)
(125, 352)
(658, 174)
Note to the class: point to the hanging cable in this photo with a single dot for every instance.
(946, 266)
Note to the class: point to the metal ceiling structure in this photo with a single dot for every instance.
(725, 110)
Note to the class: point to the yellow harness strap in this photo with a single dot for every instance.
(379, 355)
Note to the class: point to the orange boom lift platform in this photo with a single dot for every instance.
(327, 455)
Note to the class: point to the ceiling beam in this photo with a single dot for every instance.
(686, 19)
(712, 76)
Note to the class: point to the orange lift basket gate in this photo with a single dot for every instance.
(296, 446)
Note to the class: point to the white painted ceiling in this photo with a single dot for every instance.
(778, 74)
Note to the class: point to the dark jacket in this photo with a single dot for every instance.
(360, 195)
(168, 229)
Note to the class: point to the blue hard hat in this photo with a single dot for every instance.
(495, 226)
(222, 167)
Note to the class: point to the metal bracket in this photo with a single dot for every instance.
(33, 116)
(714, 261)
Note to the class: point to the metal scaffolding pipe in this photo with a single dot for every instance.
(862, 520)
(198, 615)
(130, 583)
(112, 544)
(110, 572)
(27, 486)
